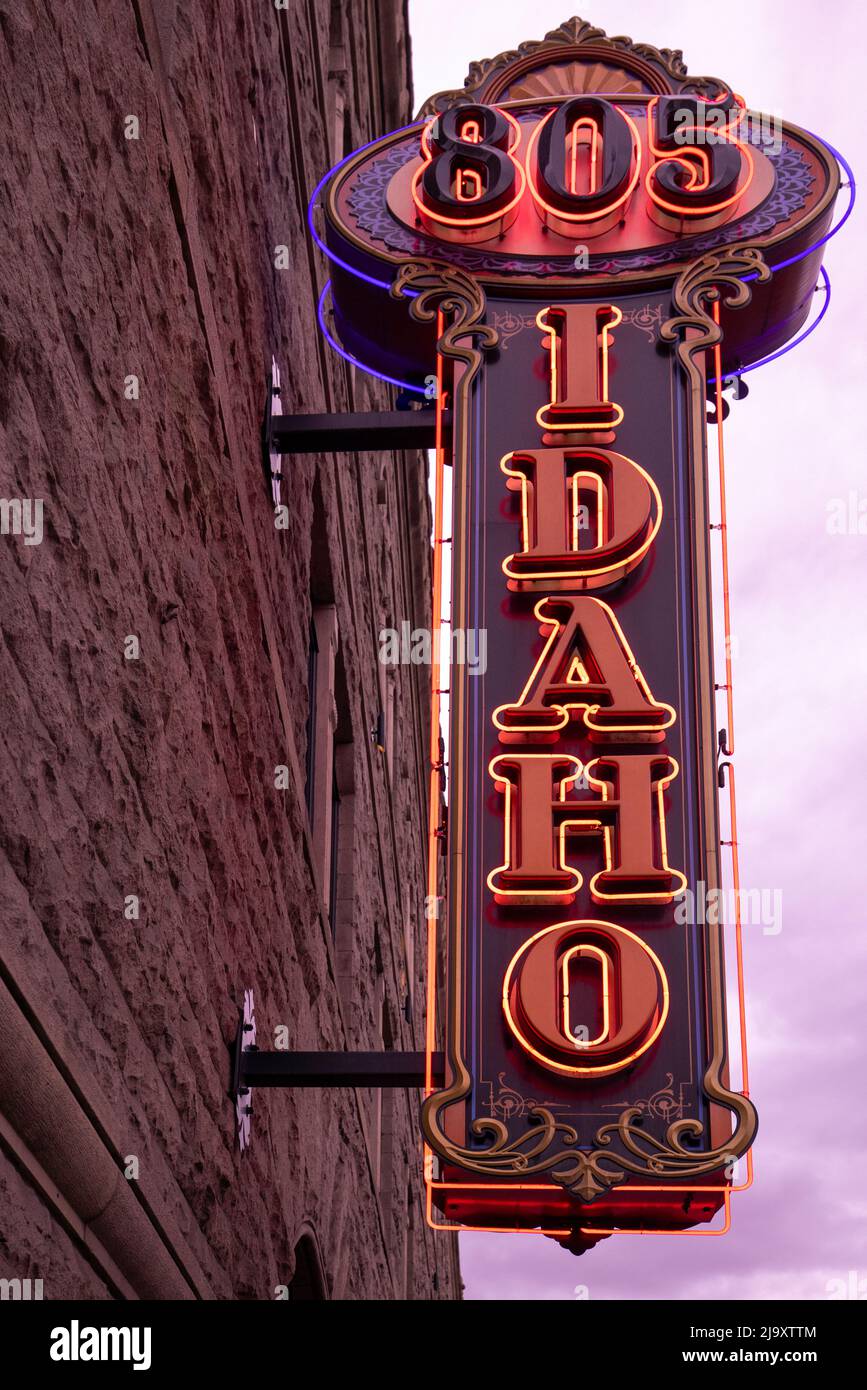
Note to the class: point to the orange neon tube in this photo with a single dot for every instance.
(729, 747)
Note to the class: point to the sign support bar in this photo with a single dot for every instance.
(250, 1068)
(352, 433)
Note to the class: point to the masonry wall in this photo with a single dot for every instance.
(147, 769)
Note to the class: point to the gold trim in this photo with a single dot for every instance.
(446, 287)
(700, 282)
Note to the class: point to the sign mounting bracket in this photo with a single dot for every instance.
(349, 432)
(290, 1070)
(353, 433)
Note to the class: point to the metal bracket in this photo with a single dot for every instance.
(351, 433)
(381, 1070)
(292, 1069)
(244, 1038)
(270, 459)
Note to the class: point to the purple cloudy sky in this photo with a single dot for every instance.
(799, 595)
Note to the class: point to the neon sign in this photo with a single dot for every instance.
(589, 1087)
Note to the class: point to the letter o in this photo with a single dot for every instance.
(535, 997)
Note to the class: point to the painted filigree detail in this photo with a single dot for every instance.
(509, 324)
(434, 287)
(507, 1103)
(662, 1105)
(721, 274)
(646, 318)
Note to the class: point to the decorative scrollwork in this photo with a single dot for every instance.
(437, 286)
(532, 1152)
(720, 274)
(584, 1173)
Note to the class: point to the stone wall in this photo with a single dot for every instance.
(145, 769)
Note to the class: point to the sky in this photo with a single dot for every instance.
(796, 462)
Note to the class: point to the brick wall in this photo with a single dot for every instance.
(154, 777)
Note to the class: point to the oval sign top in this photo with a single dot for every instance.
(586, 165)
(542, 201)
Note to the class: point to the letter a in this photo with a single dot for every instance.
(588, 671)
